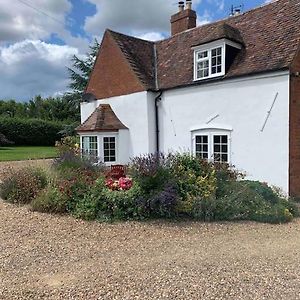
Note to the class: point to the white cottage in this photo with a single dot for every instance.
(226, 91)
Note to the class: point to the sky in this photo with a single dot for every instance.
(38, 38)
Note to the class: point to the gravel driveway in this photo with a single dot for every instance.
(54, 257)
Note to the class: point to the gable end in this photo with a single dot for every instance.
(112, 75)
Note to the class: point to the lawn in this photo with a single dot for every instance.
(26, 152)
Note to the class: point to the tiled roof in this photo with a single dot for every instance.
(102, 119)
(269, 34)
(140, 55)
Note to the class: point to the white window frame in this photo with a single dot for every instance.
(211, 133)
(209, 47)
(100, 148)
(82, 144)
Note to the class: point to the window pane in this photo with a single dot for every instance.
(224, 158)
(217, 139)
(201, 146)
(224, 148)
(202, 54)
(221, 148)
(224, 138)
(217, 148)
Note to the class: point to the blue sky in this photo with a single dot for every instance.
(39, 37)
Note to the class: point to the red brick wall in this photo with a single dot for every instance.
(183, 21)
(294, 155)
(112, 75)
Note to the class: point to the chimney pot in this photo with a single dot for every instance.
(181, 6)
(188, 4)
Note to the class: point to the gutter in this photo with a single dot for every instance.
(157, 100)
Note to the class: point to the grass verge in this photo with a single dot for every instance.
(26, 152)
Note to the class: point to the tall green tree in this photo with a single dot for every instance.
(82, 69)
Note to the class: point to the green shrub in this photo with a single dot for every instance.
(151, 171)
(244, 202)
(120, 205)
(23, 185)
(68, 162)
(161, 203)
(193, 177)
(50, 200)
(30, 132)
(264, 190)
(86, 208)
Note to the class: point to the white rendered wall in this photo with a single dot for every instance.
(136, 111)
(242, 104)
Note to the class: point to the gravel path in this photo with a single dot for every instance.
(54, 257)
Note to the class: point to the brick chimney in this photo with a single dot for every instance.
(185, 19)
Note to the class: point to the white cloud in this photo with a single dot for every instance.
(150, 36)
(18, 21)
(127, 16)
(33, 67)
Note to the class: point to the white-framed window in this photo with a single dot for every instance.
(209, 59)
(109, 149)
(90, 146)
(101, 147)
(209, 63)
(213, 145)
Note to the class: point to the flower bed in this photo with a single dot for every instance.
(157, 186)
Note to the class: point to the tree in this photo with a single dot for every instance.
(82, 69)
(4, 141)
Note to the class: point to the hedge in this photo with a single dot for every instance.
(31, 132)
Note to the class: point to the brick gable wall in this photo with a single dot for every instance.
(294, 139)
(112, 74)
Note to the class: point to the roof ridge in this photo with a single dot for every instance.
(129, 36)
(221, 20)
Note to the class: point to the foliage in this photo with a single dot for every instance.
(160, 204)
(75, 185)
(63, 109)
(68, 161)
(151, 171)
(68, 144)
(31, 132)
(4, 141)
(193, 177)
(69, 130)
(82, 69)
(23, 185)
(163, 186)
(120, 205)
(243, 202)
(50, 200)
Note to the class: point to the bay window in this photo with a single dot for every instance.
(101, 147)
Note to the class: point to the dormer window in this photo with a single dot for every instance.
(210, 59)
